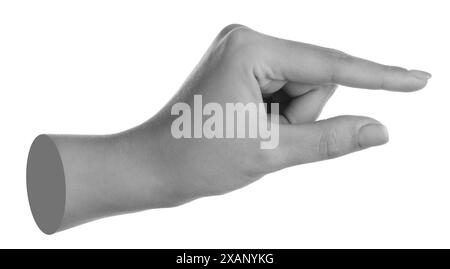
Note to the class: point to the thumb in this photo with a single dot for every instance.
(328, 139)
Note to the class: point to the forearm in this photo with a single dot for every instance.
(73, 179)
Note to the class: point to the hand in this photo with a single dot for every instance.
(147, 167)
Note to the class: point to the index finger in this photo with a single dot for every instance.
(300, 62)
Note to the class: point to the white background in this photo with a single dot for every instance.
(93, 67)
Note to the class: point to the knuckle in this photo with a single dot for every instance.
(240, 40)
(339, 55)
(329, 145)
(337, 58)
(238, 33)
(227, 29)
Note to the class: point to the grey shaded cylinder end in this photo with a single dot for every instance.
(46, 184)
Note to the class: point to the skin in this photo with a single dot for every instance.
(146, 167)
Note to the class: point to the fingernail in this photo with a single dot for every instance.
(420, 74)
(372, 135)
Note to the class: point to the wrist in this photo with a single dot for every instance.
(73, 179)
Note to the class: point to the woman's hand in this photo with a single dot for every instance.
(88, 177)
